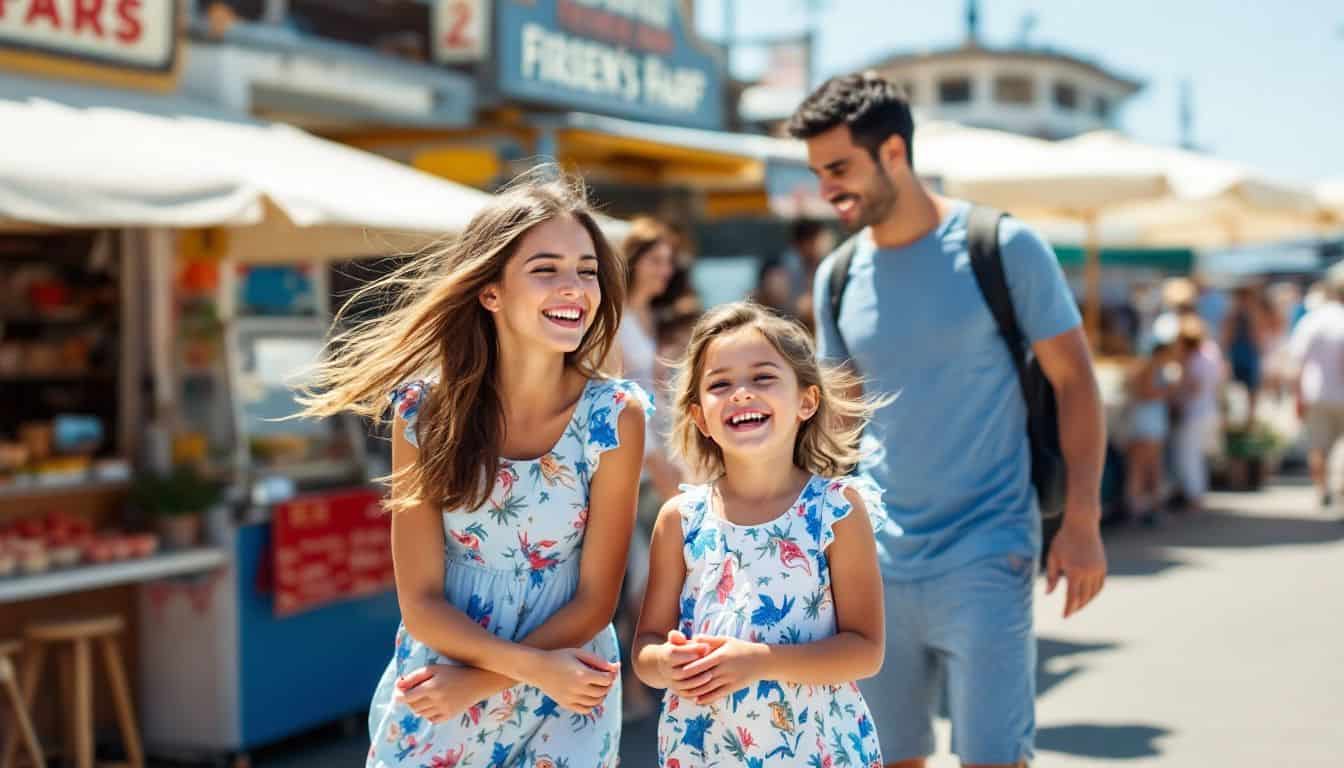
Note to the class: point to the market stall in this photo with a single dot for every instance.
(149, 369)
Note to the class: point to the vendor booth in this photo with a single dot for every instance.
(168, 270)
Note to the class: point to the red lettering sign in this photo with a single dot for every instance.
(87, 13)
(329, 547)
(140, 34)
(128, 12)
(45, 9)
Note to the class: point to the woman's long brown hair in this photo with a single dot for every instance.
(437, 326)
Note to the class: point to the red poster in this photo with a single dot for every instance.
(330, 547)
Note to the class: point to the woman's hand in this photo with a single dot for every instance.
(730, 665)
(440, 692)
(576, 679)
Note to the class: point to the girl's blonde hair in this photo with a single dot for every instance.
(436, 325)
(826, 444)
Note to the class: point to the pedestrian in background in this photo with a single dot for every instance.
(1317, 348)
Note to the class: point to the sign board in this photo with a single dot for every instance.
(635, 59)
(330, 547)
(461, 31)
(129, 34)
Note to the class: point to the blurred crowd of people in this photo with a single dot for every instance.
(1208, 361)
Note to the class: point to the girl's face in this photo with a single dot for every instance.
(653, 271)
(749, 396)
(549, 291)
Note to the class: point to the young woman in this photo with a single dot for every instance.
(515, 469)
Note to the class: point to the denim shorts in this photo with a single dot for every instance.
(970, 630)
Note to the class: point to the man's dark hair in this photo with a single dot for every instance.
(805, 230)
(873, 107)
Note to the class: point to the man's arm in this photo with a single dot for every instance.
(1077, 552)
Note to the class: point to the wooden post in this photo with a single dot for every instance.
(1092, 281)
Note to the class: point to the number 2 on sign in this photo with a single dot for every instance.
(458, 35)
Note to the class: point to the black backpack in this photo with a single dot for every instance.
(1047, 459)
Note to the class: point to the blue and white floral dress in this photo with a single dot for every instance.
(768, 583)
(510, 565)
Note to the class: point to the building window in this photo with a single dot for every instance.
(246, 10)
(1014, 89)
(395, 27)
(1066, 96)
(1102, 108)
(954, 90)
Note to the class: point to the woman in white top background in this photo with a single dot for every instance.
(649, 264)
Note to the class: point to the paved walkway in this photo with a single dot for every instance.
(1219, 641)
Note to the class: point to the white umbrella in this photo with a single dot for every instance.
(1212, 202)
(1126, 192)
(1330, 195)
(1037, 180)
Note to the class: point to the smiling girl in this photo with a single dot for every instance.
(764, 602)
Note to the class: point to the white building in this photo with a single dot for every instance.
(1023, 89)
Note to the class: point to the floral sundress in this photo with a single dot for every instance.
(510, 565)
(768, 583)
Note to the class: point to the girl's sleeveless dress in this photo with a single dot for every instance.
(768, 583)
(510, 565)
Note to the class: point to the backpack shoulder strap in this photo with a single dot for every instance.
(840, 261)
(982, 244)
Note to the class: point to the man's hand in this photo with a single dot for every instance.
(1077, 555)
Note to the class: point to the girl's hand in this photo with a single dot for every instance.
(440, 692)
(576, 679)
(673, 656)
(730, 665)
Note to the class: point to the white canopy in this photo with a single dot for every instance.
(104, 167)
(1209, 201)
(1330, 194)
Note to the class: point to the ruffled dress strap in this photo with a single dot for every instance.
(406, 398)
(835, 506)
(697, 538)
(607, 399)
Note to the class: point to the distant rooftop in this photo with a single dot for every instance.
(1031, 53)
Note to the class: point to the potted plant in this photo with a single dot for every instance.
(177, 502)
(1248, 451)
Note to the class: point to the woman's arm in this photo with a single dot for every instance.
(606, 544)
(854, 652)
(418, 562)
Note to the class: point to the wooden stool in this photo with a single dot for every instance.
(77, 667)
(25, 724)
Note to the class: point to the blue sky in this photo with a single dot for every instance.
(1268, 77)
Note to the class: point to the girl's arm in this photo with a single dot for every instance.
(659, 648)
(854, 652)
(606, 544)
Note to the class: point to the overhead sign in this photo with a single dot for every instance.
(133, 34)
(461, 31)
(628, 58)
